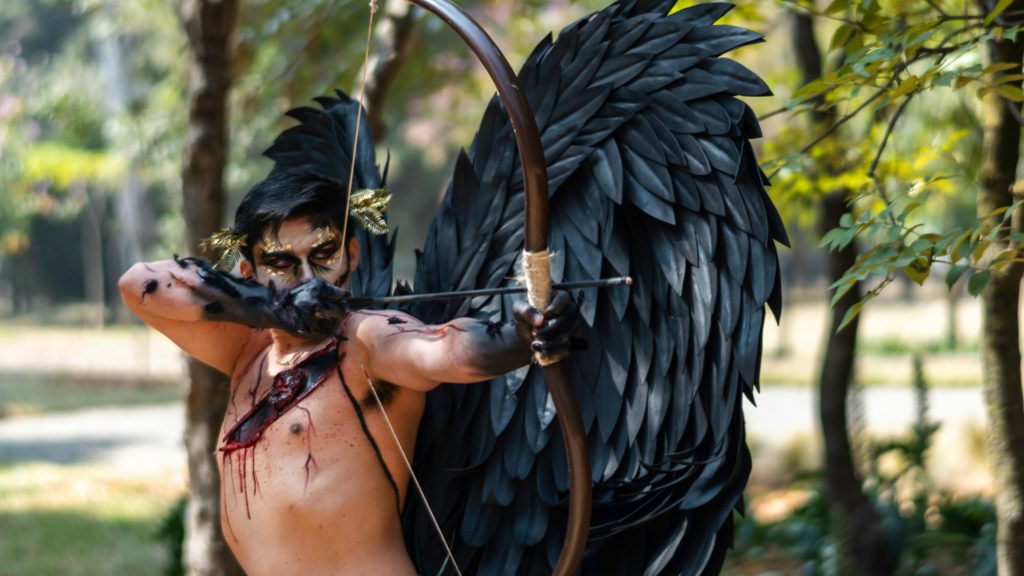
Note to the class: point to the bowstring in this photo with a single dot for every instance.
(344, 230)
(359, 115)
(408, 464)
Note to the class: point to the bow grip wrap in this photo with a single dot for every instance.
(537, 277)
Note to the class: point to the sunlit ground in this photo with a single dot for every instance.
(82, 520)
(95, 505)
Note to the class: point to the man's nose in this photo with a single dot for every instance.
(306, 272)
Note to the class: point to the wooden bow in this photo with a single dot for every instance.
(536, 242)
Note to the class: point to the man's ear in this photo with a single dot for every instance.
(353, 253)
(245, 269)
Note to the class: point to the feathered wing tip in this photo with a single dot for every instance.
(322, 142)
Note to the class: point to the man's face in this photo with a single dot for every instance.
(300, 251)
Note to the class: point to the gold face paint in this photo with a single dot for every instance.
(299, 253)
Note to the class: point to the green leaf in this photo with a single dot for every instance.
(1001, 7)
(1010, 92)
(919, 270)
(958, 245)
(846, 220)
(907, 86)
(842, 289)
(850, 314)
(962, 81)
(978, 282)
(841, 36)
(954, 274)
(1000, 67)
(1017, 237)
(830, 237)
(979, 250)
(922, 244)
(811, 89)
(837, 7)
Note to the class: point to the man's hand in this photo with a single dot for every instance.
(301, 310)
(550, 333)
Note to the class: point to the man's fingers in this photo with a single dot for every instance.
(558, 326)
(550, 346)
(528, 314)
(558, 304)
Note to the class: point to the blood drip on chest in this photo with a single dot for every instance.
(238, 448)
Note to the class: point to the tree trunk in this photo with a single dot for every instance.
(208, 25)
(861, 536)
(1000, 339)
(392, 44)
(859, 529)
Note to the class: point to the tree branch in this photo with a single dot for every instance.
(832, 128)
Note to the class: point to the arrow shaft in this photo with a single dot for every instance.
(457, 294)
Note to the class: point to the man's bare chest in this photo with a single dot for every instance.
(287, 435)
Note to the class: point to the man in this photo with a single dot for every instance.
(313, 478)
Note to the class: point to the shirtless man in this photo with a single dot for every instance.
(312, 479)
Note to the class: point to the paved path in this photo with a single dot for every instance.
(131, 438)
(149, 437)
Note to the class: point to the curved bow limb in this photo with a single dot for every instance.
(535, 258)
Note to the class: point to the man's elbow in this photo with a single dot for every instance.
(134, 284)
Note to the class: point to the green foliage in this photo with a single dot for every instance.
(74, 119)
(172, 534)
(903, 248)
(905, 157)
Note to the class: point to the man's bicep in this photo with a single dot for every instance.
(402, 350)
(216, 344)
(420, 356)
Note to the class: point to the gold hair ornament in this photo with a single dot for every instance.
(367, 207)
(224, 248)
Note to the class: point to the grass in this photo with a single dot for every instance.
(22, 393)
(81, 521)
(893, 345)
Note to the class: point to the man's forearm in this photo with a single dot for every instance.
(490, 348)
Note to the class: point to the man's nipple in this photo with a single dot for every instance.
(296, 428)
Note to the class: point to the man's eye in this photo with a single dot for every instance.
(324, 253)
(276, 263)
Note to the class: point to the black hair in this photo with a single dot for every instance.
(311, 171)
(287, 194)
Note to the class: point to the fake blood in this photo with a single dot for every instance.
(290, 387)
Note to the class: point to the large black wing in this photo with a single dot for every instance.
(651, 175)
